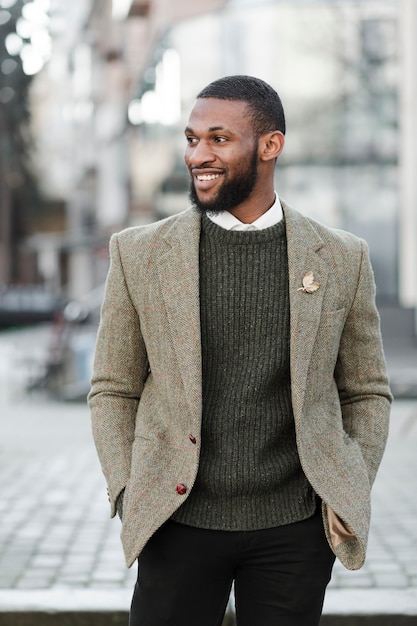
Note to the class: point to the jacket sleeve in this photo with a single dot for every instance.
(361, 372)
(119, 372)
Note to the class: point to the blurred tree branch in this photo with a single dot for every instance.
(19, 198)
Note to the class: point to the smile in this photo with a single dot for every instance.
(207, 176)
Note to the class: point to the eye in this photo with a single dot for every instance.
(219, 139)
(191, 140)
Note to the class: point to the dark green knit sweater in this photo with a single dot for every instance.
(249, 475)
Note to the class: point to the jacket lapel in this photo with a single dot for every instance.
(303, 244)
(178, 270)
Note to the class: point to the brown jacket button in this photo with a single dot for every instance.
(181, 489)
(192, 438)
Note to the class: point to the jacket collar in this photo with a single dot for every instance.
(182, 302)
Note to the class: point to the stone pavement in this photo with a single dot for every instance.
(55, 530)
(58, 546)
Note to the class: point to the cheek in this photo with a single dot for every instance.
(188, 153)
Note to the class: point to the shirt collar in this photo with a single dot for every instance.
(230, 222)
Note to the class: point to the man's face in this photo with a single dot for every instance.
(221, 155)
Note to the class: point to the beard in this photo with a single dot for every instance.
(232, 192)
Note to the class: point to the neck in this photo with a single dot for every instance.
(249, 212)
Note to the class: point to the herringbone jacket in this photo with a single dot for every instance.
(146, 390)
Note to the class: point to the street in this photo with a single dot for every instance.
(56, 534)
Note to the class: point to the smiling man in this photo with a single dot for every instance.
(239, 399)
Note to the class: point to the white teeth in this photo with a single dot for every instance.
(208, 176)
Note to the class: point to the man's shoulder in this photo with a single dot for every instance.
(337, 235)
(158, 229)
(304, 225)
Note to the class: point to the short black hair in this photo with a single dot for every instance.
(265, 109)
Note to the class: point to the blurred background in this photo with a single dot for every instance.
(94, 95)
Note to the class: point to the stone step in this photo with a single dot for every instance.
(82, 607)
(120, 618)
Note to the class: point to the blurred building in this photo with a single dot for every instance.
(109, 108)
(80, 106)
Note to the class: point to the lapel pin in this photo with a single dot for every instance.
(309, 284)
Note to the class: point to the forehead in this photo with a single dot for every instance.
(215, 114)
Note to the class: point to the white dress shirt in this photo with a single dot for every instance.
(230, 222)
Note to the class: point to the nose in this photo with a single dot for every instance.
(199, 153)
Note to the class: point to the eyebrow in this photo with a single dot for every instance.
(212, 129)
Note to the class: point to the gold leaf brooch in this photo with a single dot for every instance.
(309, 284)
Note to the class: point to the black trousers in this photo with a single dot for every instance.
(185, 576)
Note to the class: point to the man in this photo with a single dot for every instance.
(239, 399)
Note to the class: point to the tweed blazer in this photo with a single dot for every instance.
(146, 392)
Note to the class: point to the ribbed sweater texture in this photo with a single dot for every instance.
(249, 475)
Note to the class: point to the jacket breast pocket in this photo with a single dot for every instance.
(332, 316)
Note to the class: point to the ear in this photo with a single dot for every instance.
(271, 145)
